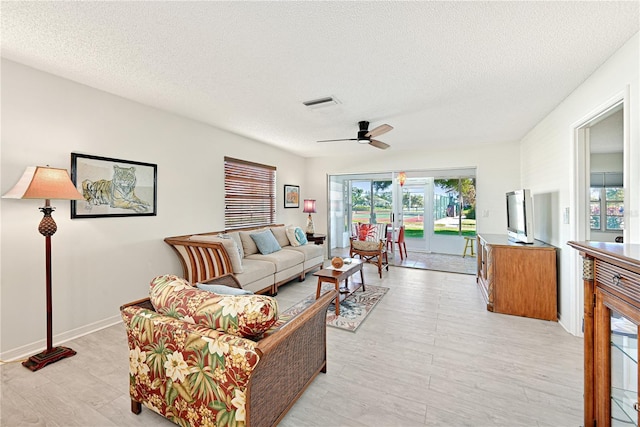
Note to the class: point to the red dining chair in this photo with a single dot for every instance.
(400, 242)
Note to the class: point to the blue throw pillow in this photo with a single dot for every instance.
(223, 290)
(266, 242)
(301, 237)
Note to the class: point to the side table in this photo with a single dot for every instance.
(318, 239)
(335, 276)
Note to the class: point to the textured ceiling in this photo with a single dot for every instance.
(444, 74)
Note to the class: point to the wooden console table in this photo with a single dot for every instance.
(518, 279)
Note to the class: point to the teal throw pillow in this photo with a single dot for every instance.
(266, 242)
(301, 237)
(223, 290)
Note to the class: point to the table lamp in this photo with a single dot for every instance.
(309, 207)
(46, 183)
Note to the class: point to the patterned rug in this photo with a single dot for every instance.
(353, 310)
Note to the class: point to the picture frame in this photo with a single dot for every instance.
(113, 187)
(291, 196)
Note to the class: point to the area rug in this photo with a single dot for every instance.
(353, 310)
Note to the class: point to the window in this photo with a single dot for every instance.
(371, 201)
(606, 197)
(454, 206)
(249, 194)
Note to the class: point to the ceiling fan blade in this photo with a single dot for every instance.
(379, 130)
(379, 144)
(336, 140)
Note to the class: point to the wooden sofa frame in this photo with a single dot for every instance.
(203, 261)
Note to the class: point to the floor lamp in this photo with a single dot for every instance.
(46, 183)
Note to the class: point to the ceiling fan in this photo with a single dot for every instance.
(365, 135)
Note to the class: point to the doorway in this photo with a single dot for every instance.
(434, 208)
(601, 146)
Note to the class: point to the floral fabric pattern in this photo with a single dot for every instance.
(189, 373)
(241, 315)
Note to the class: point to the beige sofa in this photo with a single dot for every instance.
(208, 255)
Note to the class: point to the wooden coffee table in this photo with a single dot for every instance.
(335, 276)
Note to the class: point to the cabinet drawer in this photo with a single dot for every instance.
(618, 280)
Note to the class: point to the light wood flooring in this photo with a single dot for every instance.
(427, 261)
(428, 354)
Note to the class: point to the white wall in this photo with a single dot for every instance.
(548, 165)
(99, 264)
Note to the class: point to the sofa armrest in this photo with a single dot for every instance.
(201, 261)
(173, 363)
(290, 359)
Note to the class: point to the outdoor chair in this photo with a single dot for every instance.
(370, 244)
(400, 242)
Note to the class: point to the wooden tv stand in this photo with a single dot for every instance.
(518, 279)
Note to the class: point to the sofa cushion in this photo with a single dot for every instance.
(255, 269)
(236, 237)
(280, 234)
(266, 242)
(296, 236)
(222, 289)
(309, 251)
(241, 315)
(230, 246)
(248, 244)
(365, 245)
(283, 259)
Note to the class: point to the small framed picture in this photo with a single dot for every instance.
(291, 196)
(113, 187)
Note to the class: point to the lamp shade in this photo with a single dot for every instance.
(309, 206)
(402, 178)
(39, 182)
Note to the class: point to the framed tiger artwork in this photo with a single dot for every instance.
(113, 187)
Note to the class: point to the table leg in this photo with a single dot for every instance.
(337, 283)
(319, 287)
(362, 279)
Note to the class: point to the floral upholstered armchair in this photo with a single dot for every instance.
(205, 359)
(369, 243)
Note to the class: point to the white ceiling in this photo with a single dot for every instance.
(444, 74)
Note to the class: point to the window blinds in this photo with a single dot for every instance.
(249, 194)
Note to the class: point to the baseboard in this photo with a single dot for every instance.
(35, 347)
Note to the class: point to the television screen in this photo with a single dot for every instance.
(520, 216)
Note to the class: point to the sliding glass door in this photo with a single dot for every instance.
(362, 198)
(414, 212)
(436, 208)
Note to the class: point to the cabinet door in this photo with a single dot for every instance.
(482, 258)
(616, 353)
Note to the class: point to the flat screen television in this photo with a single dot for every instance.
(520, 216)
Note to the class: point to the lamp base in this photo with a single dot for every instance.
(40, 360)
(310, 229)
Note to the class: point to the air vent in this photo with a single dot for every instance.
(321, 102)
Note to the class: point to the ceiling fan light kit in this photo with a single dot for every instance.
(365, 135)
